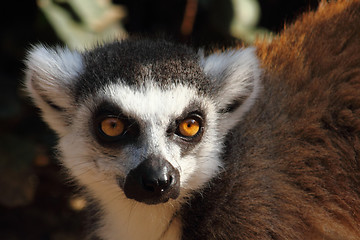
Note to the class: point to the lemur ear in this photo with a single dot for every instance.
(48, 76)
(236, 82)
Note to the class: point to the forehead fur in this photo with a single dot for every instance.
(151, 102)
(136, 62)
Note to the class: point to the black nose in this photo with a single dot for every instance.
(153, 181)
(157, 182)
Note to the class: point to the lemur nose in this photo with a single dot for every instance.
(153, 181)
(157, 183)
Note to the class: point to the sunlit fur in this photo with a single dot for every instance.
(54, 70)
(292, 165)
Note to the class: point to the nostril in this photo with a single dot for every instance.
(165, 183)
(149, 185)
(157, 185)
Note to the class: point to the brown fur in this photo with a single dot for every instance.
(292, 169)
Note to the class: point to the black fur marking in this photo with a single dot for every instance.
(93, 218)
(38, 89)
(234, 105)
(194, 110)
(132, 62)
(51, 104)
(108, 109)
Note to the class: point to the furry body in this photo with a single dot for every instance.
(297, 150)
(277, 159)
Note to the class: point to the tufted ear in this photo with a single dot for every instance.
(48, 77)
(235, 78)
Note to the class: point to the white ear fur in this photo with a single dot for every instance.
(48, 75)
(236, 83)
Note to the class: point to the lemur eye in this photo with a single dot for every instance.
(189, 127)
(112, 127)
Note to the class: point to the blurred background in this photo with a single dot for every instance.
(37, 200)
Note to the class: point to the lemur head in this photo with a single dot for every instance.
(139, 118)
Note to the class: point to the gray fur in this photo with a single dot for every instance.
(134, 62)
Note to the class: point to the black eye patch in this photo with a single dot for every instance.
(111, 127)
(194, 113)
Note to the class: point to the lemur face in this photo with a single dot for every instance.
(139, 119)
(151, 142)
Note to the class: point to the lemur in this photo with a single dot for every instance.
(253, 143)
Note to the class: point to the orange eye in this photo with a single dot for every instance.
(189, 127)
(112, 127)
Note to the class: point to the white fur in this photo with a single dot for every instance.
(50, 71)
(241, 71)
(121, 218)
